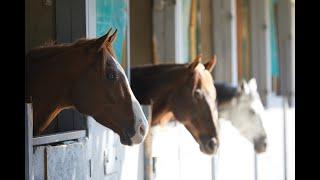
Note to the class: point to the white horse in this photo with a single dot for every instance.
(242, 106)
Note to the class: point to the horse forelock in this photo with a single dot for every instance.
(203, 78)
(200, 67)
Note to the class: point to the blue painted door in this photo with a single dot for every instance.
(113, 14)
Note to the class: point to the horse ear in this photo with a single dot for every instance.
(211, 64)
(253, 84)
(244, 87)
(100, 42)
(195, 63)
(113, 36)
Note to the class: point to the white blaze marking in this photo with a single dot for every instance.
(139, 117)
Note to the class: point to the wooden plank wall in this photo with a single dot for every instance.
(243, 40)
(239, 38)
(141, 32)
(206, 29)
(192, 29)
(260, 41)
(224, 40)
(285, 12)
(39, 24)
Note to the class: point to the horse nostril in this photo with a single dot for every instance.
(142, 130)
(130, 133)
(210, 144)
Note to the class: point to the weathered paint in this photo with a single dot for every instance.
(67, 162)
(38, 163)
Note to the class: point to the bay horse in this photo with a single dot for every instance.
(243, 108)
(183, 91)
(86, 76)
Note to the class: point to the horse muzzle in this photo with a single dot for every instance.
(260, 144)
(141, 129)
(209, 146)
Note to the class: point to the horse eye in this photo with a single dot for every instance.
(111, 76)
(252, 112)
(198, 94)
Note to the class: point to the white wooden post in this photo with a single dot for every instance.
(255, 166)
(28, 126)
(285, 109)
(225, 40)
(261, 50)
(90, 19)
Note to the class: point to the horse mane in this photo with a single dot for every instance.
(225, 92)
(48, 43)
(53, 43)
(51, 48)
(150, 69)
(154, 79)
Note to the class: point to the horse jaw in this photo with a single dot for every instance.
(141, 125)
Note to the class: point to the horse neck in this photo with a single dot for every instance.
(151, 83)
(55, 67)
(50, 76)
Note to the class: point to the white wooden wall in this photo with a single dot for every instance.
(95, 157)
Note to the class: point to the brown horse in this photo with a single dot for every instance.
(84, 75)
(183, 91)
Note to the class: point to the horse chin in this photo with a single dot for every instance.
(208, 151)
(260, 148)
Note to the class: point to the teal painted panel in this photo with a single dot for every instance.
(112, 14)
(274, 44)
